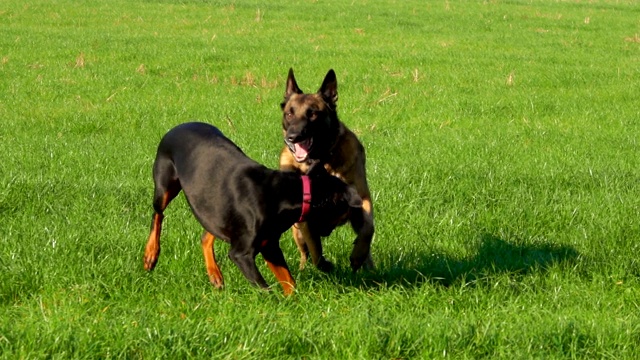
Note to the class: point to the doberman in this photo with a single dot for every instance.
(241, 201)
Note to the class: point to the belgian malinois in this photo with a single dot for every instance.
(313, 133)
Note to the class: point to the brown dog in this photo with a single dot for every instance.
(313, 132)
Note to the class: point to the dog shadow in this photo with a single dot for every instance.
(493, 256)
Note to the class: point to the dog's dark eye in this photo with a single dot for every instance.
(312, 114)
(289, 114)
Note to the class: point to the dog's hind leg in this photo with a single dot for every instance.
(215, 276)
(274, 258)
(362, 222)
(245, 259)
(167, 187)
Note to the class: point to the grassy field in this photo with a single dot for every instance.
(502, 143)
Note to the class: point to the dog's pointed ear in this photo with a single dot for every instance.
(329, 88)
(292, 86)
(352, 197)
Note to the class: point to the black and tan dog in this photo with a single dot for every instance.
(240, 201)
(313, 132)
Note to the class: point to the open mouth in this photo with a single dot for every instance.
(301, 149)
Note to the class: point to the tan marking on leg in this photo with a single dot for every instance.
(215, 275)
(284, 277)
(152, 250)
(367, 206)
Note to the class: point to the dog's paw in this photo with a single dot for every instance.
(215, 278)
(219, 285)
(369, 265)
(360, 258)
(302, 265)
(356, 264)
(303, 260)
(150, 261)
(325, 265)
(151, 253)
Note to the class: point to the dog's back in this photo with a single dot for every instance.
(180, 157)
(200, 140)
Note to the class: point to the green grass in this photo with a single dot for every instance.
(502, 144)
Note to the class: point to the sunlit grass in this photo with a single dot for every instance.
(502, 145)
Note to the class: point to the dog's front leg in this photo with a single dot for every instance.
(301, 244)
(362, 224)
(303, 236)
(245, 259)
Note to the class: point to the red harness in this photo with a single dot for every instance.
(306, 197)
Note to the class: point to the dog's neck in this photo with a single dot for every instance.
(331, 145)
(291, 187)
(332, 152)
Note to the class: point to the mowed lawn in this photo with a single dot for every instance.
(502, 143)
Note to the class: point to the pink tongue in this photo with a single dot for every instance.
(301, 152)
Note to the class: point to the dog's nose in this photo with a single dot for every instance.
(292, 138)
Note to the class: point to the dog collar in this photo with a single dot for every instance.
(306, 197)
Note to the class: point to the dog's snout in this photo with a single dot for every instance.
(292, 137)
